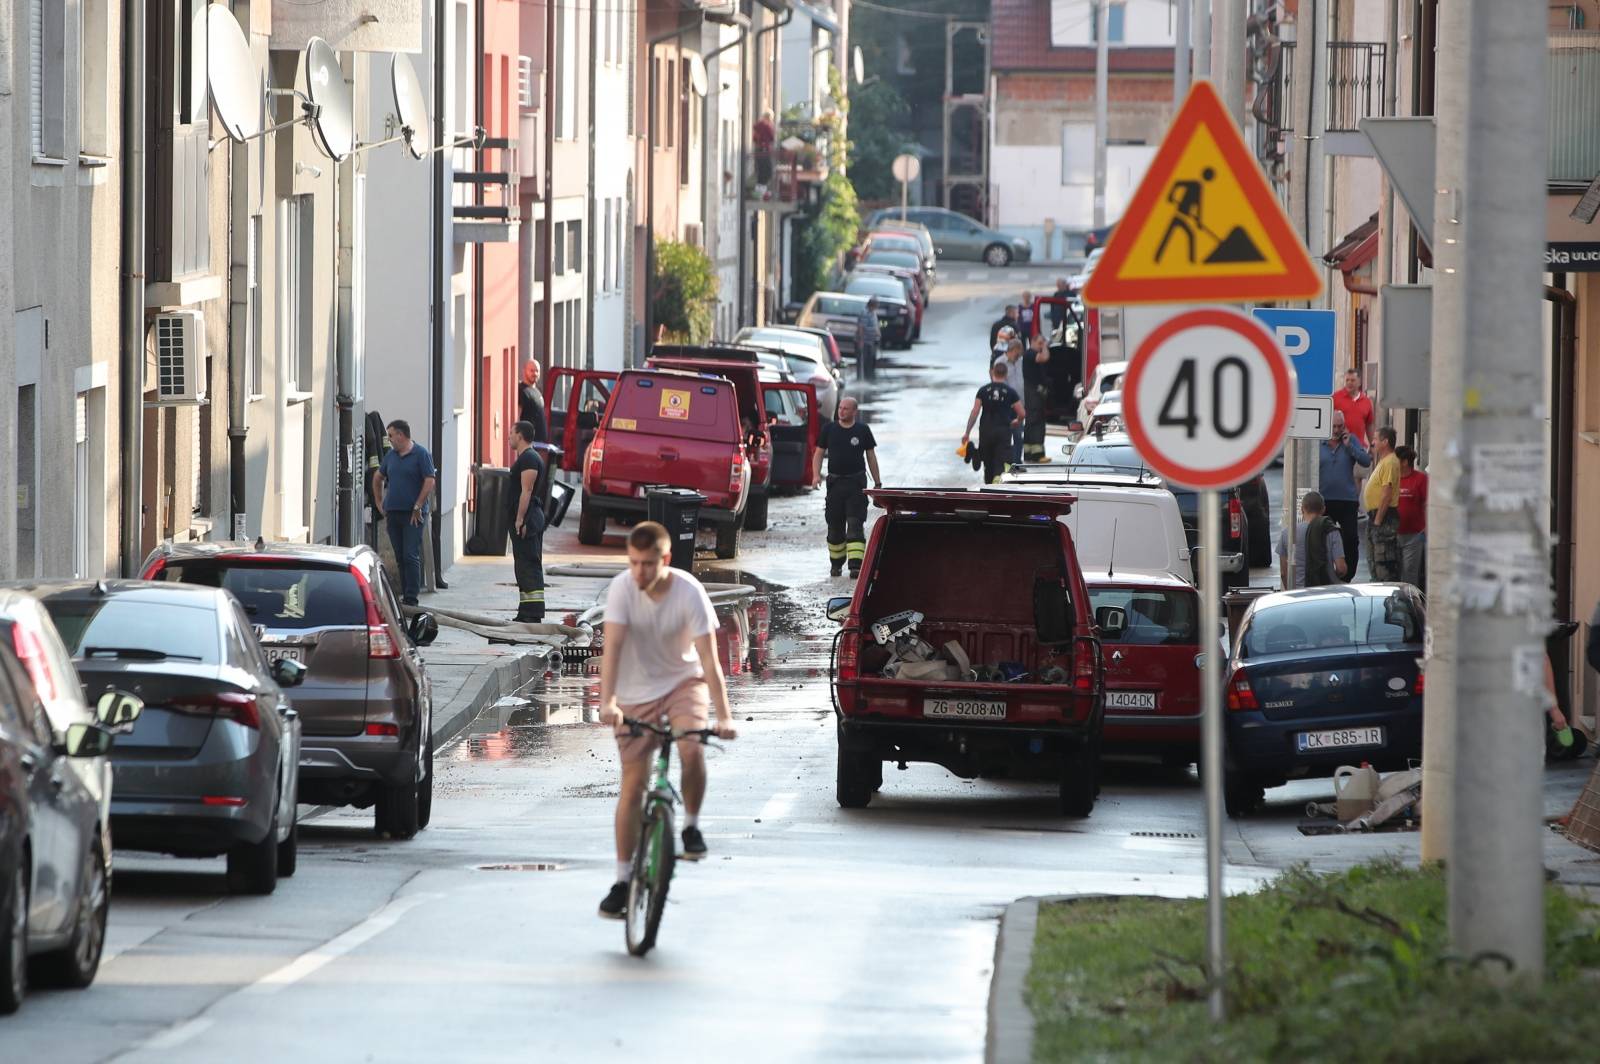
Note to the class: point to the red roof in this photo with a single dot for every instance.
(1020, 41)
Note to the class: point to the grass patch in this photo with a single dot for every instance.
(1345, 967)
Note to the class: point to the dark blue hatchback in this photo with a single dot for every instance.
(1320, 678)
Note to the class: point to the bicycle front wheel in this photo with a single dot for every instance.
(653, 857)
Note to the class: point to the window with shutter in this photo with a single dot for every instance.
(47, 39)
(181, 235)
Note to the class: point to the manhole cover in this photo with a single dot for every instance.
(523, 866)
(1163, 835)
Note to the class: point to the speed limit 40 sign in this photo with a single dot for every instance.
(1208, 397)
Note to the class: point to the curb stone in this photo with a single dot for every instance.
(487, 684)
(1010, 1035)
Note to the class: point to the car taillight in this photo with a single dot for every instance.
(234, 705)
(849, 655)
(1417, 688)
(381, 642)
(155, 569)
(31, 653)
(1235, 518)
(736, 473)
(1085, 665)
(1241, 696)
(383, 729)
(592, 460)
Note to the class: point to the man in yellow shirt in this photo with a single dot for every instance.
(1381, 499)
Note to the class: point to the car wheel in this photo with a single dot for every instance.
(398, 810)
(14, 939)
(591, 524)
(425, 792)
(253, 866)
(289, 851)
(1241, 795)
(74, 965)
(859, 773)
(1080, 779)
(755, 512)
(997, 255)
(728, 540)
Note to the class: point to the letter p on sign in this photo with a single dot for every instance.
(1308, 338)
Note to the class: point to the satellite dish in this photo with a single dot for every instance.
(858, 65)
(697, 74)
(334, 121)
(410, 105)
(235, 80)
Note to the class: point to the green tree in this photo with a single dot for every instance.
(832, 230)
(880, 129)
(685, 292)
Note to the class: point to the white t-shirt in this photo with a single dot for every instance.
(658, 653)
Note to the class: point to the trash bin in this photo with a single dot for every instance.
(678, 509)
(491, 527)
(1236, 602)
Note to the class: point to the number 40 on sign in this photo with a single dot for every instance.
(1208, 398)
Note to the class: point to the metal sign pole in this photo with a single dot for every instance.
(905, 191)
(1211, 739)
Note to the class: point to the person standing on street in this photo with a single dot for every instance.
(1035, 393)
(1356, 406)
(851, 449)
(403, 483)
(527, 524)
(1000, 408)
(530, 404)
(1058, 310)
(868, 334)
(1011, 360)
(1337, 462)
(660, 660)
(1381, 499)
(1413, 519)
(1025, 315)
(1008, 320)
(1318, 546)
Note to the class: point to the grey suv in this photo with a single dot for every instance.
(365, 702)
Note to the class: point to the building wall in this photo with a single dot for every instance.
(1145, 22)
(612, 207)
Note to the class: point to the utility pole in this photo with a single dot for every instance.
(1202, 38)
(1490, 196)
(1102, 87)
(1227, 54)
(1180, 53)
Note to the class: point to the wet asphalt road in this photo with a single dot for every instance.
(811, 933)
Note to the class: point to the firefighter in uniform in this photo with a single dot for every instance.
(851, 450)
(527, 523)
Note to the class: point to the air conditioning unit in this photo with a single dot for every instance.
(180, 357)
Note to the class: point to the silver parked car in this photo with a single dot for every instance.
(955, 236)
(837, 313)
(806, 357)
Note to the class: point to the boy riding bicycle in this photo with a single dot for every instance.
(660, 659)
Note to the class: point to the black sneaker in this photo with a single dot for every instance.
(614, 906)
(836, 569)
(694, 844)
(855, 572)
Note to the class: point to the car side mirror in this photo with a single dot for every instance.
(423, 629)
(839, 608)
(1111, 620)
(288, 672)
(118, 710)
(86, 740)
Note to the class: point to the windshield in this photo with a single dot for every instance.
(788, 342)
(840, 305)
(152, 629)
(877, 286)
(894, 258)
(1155, 616)
(281, 595)
(1323, 622)
(1106, 457)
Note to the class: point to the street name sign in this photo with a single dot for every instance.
(1208, 397)
(1204, 225)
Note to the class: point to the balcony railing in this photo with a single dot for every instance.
(1355, 71)
(1572, 76)
(781, 176)
(484, 203)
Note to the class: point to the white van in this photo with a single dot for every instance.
(1118, 524)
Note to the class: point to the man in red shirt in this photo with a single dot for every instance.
(1356, 408)
(1413, 518)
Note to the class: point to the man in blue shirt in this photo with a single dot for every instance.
(402, 484)
(1337, 460)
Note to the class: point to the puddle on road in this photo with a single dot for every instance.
(774, 663)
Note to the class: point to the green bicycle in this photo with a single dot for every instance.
(655, 853)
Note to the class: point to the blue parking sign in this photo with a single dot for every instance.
(1307, 337)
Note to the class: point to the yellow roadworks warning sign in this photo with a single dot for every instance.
(1204, 225)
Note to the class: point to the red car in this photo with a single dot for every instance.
(1151, 648)
(1035, 708)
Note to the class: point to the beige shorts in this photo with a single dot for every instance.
(687, 707)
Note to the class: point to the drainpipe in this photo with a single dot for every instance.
(1565, 344)
(441, 308)
(547, 323)
(238, 339)
(479, 393)
(345, 385)
(708, 186)
(761, 70)
(131, 371)
(596, 218)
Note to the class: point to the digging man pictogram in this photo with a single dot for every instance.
(1186, 197)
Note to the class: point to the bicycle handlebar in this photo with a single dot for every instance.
(636, 726)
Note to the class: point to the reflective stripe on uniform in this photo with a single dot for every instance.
(836, 551)
(855, 550)
(532, 596)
